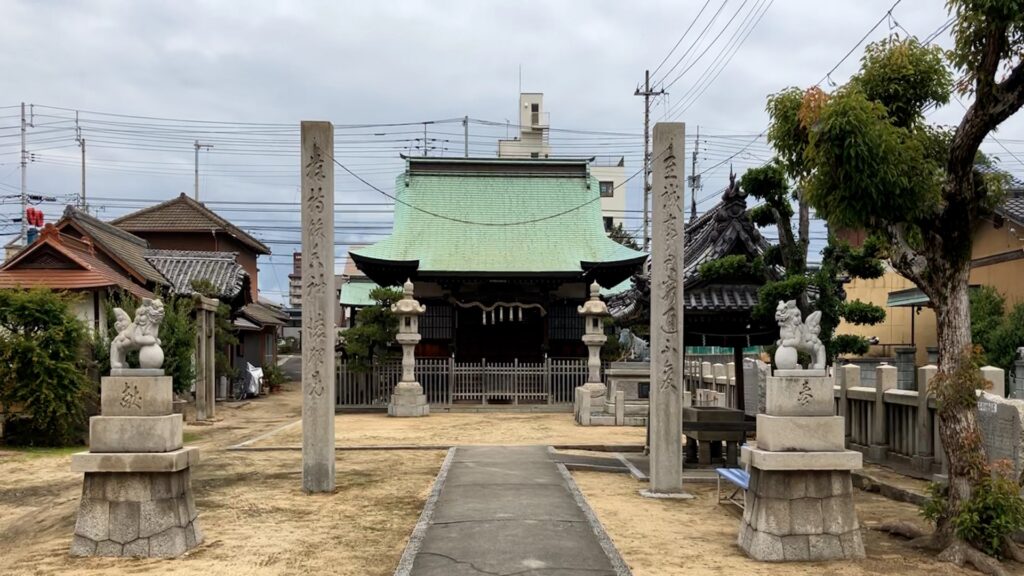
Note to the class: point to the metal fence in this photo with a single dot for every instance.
(446, 381)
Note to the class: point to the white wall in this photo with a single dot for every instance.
(613, 206)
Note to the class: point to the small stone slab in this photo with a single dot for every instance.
(800, 433)
(136, 396)
(765, 460)
(800, 396)
(135, 433)
(136, 372)
(801, 372)
(646, 493)
(135, 461)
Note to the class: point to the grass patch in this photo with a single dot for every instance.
(189, 437)
(43, 452)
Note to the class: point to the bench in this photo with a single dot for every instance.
(740, 479)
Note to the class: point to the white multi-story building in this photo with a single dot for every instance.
(533, 142)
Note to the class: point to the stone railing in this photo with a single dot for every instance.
(897, 427)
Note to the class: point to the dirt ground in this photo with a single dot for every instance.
(256, 519)
(661, 538)
(449, 429)
(258, 522)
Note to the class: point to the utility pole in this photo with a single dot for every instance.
(694, 178)
(465, 129)
(198, 146)
(81, 144)
(647, 93)
(425, 152)
(24, 168)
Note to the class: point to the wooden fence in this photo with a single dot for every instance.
(446, 381)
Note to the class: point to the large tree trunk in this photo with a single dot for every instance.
(958, 424)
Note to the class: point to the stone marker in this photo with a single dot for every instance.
(408, 401)
(318, 304)
(666, 422)
(1002, 429)
(799, 505)
(137, 493)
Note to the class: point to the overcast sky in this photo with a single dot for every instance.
(275, 63)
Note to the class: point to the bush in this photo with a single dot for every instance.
(43, 365)
(178, 340)
(994, 512)
(273, 376)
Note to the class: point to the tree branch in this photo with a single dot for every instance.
(905, 259)
(993, 104)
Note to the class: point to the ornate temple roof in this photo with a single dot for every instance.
(497, 218)
(718, 310)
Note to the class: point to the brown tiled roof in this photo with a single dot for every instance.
(74, 267)
(264, 314)
(183, 214)
(1013, 208)
(183, 267)
(127, 249)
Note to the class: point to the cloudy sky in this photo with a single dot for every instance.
(148, 79)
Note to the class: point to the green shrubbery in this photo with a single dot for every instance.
(43, 350)
(997, 333)
(375, 330)
(994, 512)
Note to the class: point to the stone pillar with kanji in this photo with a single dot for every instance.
(408, 401)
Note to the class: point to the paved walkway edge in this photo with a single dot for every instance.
(416, 539)
(621, 569)
(243, 445)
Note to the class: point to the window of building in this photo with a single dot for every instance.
(607, 223)
(535, 114)
(268, 349)
(607, 188)
(534, 154)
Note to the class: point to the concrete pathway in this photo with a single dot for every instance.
(508, 510)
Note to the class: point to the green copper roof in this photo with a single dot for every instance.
(356, 292)
(553, 241)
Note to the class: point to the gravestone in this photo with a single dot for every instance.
(318, 304)
(755, 381)
(1002, 429)
(666, 424)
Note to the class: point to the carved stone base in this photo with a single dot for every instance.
(149, 514)
(797, 516)
(408, 401)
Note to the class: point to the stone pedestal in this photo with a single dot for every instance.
(408, 401)
(137, 494)
(799, 504)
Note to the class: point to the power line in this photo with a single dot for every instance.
(687, 31)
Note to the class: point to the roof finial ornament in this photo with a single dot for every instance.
(408, 287)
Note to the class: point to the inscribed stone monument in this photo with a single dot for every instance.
(666, 422)
(318, 304)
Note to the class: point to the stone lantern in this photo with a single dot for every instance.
(408, 400)
(593, 312)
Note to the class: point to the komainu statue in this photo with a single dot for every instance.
(796, 335)
(141, 334)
